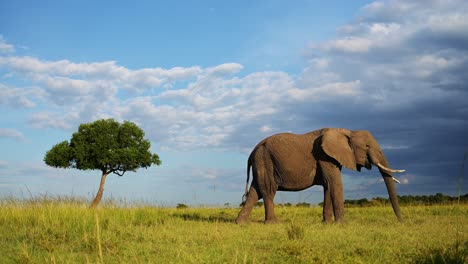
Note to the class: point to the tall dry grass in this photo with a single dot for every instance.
(62, 230)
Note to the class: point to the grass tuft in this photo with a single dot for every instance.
(456, 254)
(295, 231)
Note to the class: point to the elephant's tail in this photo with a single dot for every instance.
(249, 165)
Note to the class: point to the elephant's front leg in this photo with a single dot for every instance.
(252, 198)
(327, 205)
(332, 174)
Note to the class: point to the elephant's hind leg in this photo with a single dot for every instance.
(252, 198)
(270, 217)
(266, 175)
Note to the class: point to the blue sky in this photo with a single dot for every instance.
(207, 80)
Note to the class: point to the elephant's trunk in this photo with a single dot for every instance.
(389, 183)
(392, 194)
(377, 158)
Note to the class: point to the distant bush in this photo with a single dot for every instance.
(360, 203)
(181, 206)
(437, 199)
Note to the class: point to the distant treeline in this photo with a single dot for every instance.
(438, 198)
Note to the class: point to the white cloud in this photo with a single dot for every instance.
(384, 28)
(3, 164)
(210, 174)
(56, 120)
(350, 44)
(265, 129)
(363, 38)
(20, 97)
(225, 69)
(393, 147)
(136, 80)
(209, 110)
(321, 63)
(327, 92)
(11, 133)
(401, 27)
(426, 65)
(5, 47)
(452, 24)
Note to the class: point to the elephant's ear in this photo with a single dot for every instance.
(335, 143)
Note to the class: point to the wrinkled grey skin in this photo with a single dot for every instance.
(292, 162)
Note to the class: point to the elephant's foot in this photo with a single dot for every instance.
(241, 221)
(327, 221)
(340, 221)
(272, 221)
(339, 218)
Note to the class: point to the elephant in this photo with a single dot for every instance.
(294, 162)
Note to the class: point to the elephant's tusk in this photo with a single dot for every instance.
(387, 169)
(395, 180)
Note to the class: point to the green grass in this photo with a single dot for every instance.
(65, 231)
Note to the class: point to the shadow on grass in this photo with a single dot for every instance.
(201, 218)
(457, 254)
(222, 218)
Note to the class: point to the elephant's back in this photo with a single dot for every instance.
(289, 142)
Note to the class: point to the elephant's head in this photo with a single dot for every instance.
(357, 149)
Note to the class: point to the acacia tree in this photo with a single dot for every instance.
(104, 145)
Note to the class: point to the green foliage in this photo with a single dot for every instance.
(60, 156)
(104, 145)
(64, 231)
(361, 202)
(181, 206)
(438, 198)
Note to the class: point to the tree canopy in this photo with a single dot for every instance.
(104, 145)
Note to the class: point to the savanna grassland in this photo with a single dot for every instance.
(66, 231)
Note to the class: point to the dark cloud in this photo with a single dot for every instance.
(413, 93)
(414, 88)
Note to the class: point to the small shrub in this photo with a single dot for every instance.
(295, 231)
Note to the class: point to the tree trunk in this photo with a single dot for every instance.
(100, 192)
